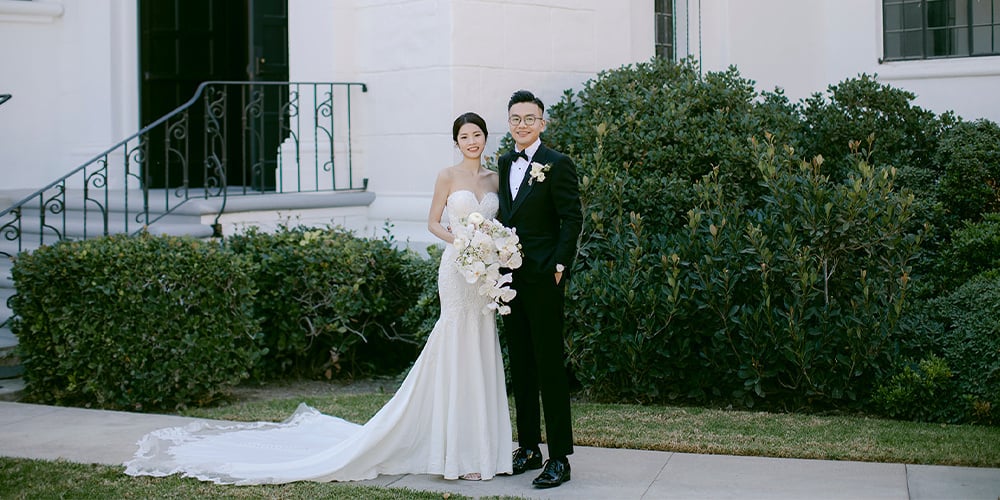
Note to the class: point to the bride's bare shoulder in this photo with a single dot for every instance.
(493, 179)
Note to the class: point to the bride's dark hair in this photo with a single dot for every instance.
(472, 118)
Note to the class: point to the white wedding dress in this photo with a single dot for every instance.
(449, 416)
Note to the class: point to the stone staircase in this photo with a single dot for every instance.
(193, 218)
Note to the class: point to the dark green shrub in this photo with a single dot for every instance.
(641, 136)
(970, 341)
(662, 126)
(422, 314)
(799, 298)
(882, 120)
(713, 264)
(923, 392)
(973, 249)
(137, 323)
(795, 296)
(861, 117)
(969, 154)
(332, 304)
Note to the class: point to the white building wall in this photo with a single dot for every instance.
(427, 61)
(72, 67)
(805, 46)
(61, 62)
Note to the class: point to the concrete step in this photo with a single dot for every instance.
(10, 364)
(5, 293)
(6, 280)
(80, 225)
(77, 229)
(11, 389)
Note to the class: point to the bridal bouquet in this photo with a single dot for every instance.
(484, 247)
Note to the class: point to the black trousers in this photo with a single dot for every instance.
(536, 352)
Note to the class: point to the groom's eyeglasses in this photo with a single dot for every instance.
(527, 120)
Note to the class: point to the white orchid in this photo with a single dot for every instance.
(484, 248)
(474, 271)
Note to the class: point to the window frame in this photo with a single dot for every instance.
(665, 18)
(928, 38)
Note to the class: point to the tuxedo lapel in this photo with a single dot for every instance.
(504, 171)
(522, 192)
(526, 184)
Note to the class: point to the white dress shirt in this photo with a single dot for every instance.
(520, 166)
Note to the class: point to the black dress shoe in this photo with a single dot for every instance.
(526, 459)
(556, 472)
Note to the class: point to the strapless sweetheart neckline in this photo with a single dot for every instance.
(473, 193)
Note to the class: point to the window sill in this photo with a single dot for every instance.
(940, 68)
(21, 11)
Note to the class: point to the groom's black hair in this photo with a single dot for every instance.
(525, 96)
(472, 118)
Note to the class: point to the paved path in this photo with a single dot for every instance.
(109, 437)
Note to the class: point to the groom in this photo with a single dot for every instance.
(539, 197)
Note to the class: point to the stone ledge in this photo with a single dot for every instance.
(30, 11)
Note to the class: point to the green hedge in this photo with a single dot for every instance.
(717, 265)
(969, 155)
(335, 305)
(880, 120)
(138, 323)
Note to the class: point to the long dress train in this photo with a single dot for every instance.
(449, 416)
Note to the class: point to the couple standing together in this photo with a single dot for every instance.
(450, 415)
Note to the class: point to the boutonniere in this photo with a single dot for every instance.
(538, 172)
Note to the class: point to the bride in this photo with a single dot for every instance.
(449, 417)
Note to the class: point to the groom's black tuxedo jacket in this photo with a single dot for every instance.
(546, 214)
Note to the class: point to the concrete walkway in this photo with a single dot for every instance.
(109, 437)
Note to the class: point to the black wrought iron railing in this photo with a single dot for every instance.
(229, 139)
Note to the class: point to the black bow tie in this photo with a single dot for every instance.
(522, 154)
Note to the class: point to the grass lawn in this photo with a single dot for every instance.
(700, 430)
(665, 428)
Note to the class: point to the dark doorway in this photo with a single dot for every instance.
(183, 43)
(269, 52)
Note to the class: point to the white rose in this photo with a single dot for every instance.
(476, 218)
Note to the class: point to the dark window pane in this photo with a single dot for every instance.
(940, 13)
(912, 17)
(982, 42)
(912, 44)
(920, 29)
(893, 46)
(959, 42)
(664, 36)
(982, 12)
(894, 17)
(938, 42)
(962, 13)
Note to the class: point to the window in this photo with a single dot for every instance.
(665, 29)
(930, 29)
